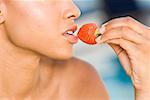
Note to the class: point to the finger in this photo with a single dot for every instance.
(128, 22)
(121, 32)
(123, 58)
(116, 48)
(128, 46)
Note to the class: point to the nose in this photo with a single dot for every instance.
(72, 12)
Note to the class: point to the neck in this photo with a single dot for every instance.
(19, 69)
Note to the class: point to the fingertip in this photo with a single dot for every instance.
(103, 28)
(98, 40)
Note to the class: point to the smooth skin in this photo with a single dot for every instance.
(131, 41)
(36, 60)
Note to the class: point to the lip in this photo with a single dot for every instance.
(72, 28)
(71, 38)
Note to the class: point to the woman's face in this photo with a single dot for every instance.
(39, 25)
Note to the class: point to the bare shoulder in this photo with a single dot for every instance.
(83, 81)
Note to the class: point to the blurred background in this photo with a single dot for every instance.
(102, 57)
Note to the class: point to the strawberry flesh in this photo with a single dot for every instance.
(88, 33)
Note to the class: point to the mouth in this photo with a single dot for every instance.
(71, 30)
(69, 34)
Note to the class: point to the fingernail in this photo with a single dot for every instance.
(103, 28)
(98, 40)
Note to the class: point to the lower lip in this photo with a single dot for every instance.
(71, 38)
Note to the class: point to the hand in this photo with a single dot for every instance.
(131, 41)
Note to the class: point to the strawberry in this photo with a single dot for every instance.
(88, 33)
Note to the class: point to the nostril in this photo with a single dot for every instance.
(72, 12)
(71, 16)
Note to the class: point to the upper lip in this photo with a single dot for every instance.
(72, 28)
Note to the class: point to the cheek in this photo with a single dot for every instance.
(38, 30)
(27, 27)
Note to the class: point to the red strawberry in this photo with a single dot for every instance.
(88, 33)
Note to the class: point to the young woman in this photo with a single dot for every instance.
(36, 60)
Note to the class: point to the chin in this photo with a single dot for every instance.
(64, 56)
(60, 55)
